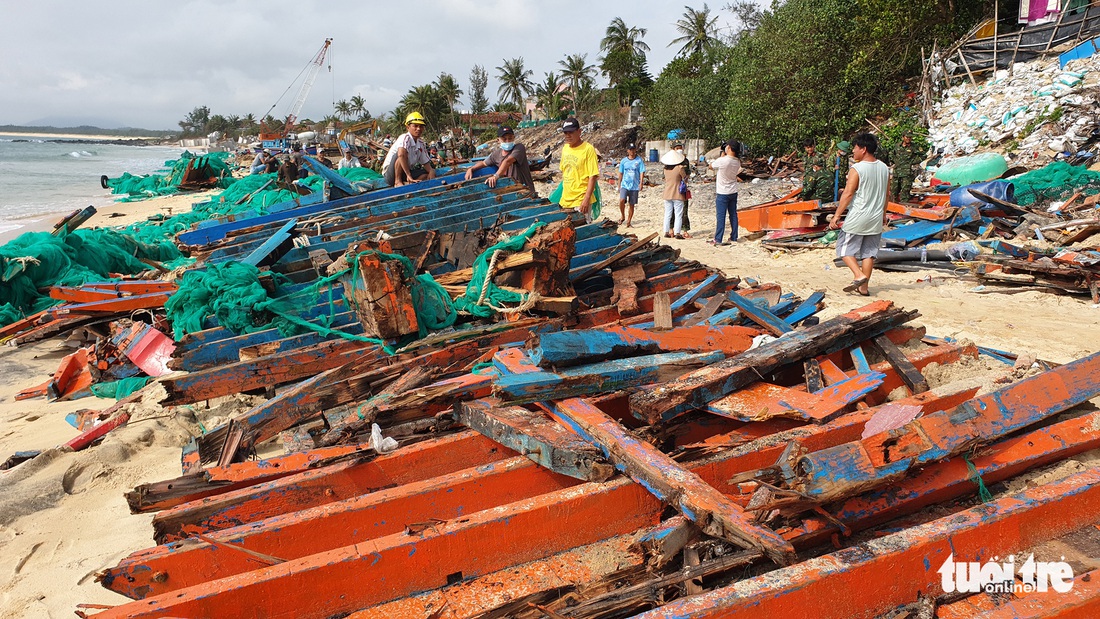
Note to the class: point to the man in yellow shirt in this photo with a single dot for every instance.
(580, 170)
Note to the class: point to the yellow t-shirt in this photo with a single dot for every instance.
(577, 165)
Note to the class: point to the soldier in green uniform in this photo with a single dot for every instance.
(813, 173)
(840, 164)
(905, 159)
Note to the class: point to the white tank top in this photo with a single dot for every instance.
(865, 213)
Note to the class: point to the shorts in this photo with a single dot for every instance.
(861, 246)
(417, 173)
(630, 195)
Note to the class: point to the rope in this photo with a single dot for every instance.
(983, 492)
(488, 277)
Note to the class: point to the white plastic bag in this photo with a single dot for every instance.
(380, 444)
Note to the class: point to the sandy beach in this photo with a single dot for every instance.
(63, 516)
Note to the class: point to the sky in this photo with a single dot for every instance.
(147, 64)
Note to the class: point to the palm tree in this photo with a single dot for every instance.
(578, 73)
(426, 100)
(548, 94)
(698, 30)
(623, 52)
(248, 124)
(515, 81)
(358, 107)
(447, 87)
(342, 108)
(622, 38)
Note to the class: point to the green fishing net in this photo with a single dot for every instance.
(120, 388)
(1055, 181)
(34, 261)
(138, 187)
(479, 302)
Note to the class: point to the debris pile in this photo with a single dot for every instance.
(1036, 110)
(486, 407)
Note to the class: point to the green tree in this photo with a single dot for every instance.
(698, 34)
(689, 97)
(623, 56)
(479, 80)
(195, 121)
(515, 82)
(358, 107)
(343, 109)
(248, 124)
(427, 100)
(447, 87)
(548, 95)
(783, 88)
(577, 73)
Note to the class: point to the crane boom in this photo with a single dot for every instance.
(307, 84)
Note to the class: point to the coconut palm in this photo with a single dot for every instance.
(548, 95)
(248, 124)
(342, 108)
(698, 30)
(427, 100)
(577, 72)
(622, 38)
(358, 107)
(447, 87)
(515, 81)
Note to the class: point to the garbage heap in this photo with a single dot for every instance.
(1036, 111)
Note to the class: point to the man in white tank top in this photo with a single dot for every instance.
(861, 233)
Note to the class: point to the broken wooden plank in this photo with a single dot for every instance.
(600, 377)
(662, 311)
(851, 468)
(273, 248)
(535, 436)
(697, 389)
(764, 401)
(617, 256)
(711, 510)
(560, 349)
(761, 316)
(912, 377)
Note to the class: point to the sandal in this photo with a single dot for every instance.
(855, 285)
(713, 242)
(681, 236)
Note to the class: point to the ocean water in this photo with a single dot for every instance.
(40, 178)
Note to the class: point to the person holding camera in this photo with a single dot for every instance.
(726, 169)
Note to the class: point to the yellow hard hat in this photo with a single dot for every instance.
(414, 118)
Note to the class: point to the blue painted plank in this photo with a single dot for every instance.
(860, 360)
(761, 316)
(806, 309)
(600, 377)
(704, 287)
(331, 176)
(261, 254)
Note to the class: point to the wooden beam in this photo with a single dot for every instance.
(599, 377)
(697, 389)
(711, 510)
(848, 469)
(912, 377)
(537, 437)
(617, 256)
(761, 316)
(560, 349)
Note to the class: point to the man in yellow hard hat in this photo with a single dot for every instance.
(408, 160)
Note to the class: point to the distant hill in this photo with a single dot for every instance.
(122, 132)
(74, 121)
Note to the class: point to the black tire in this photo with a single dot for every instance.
(103, 181)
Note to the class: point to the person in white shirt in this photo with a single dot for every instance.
(348, 161)
(726, 169)
(857, 243)
(408, 160)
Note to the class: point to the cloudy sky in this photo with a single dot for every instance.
(147, 64)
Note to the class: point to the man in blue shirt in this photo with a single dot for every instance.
(631, 171)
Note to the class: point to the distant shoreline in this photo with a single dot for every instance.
(83, 136)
